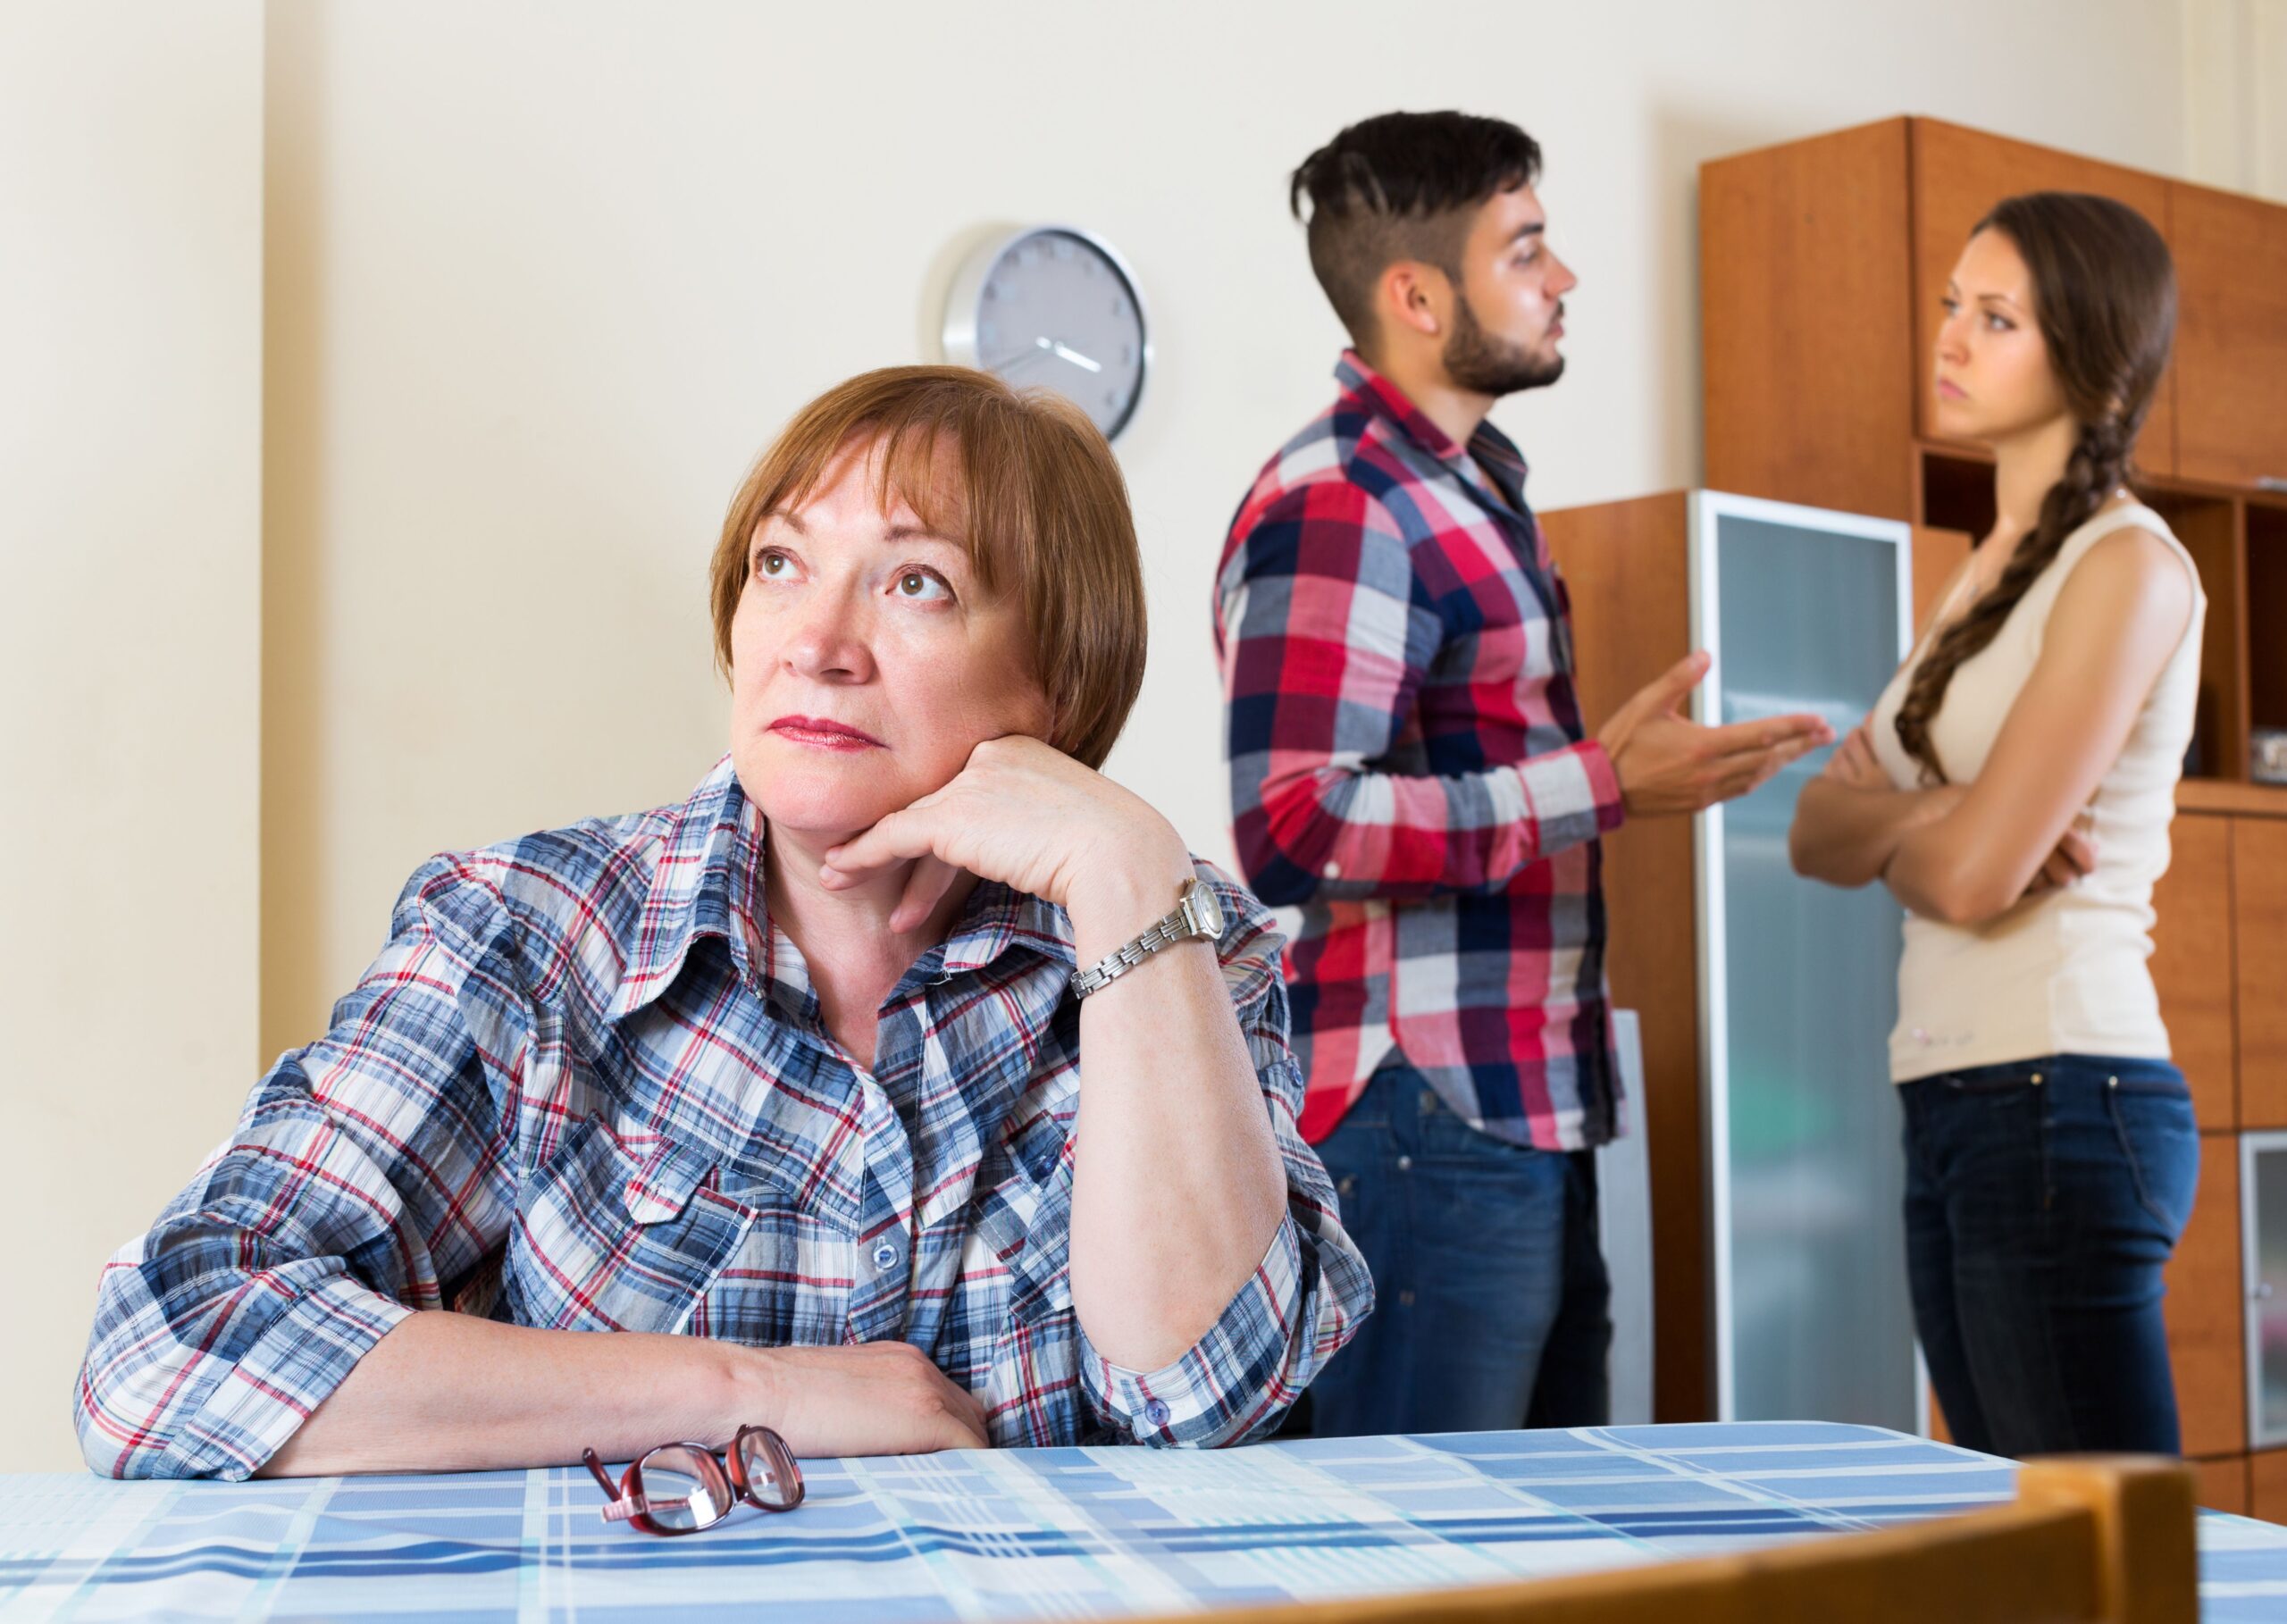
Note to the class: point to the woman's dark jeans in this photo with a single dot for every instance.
(2043, 1199)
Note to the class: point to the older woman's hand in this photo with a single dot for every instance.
(1027, 815)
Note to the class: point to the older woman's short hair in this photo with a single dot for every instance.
(1019, 478)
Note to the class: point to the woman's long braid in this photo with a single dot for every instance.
(2099, 467)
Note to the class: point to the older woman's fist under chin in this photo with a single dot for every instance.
(1027, 815)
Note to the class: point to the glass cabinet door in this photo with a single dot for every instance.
(1804, 610)
(2263, 1197)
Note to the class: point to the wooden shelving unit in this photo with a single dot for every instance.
(1822, 265)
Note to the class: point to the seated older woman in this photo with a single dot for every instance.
(829, 1092)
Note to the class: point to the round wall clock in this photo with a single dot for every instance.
(1053, 304)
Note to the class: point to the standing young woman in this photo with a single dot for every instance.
(2012, 789)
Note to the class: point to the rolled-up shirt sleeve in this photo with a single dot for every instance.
(367, 1177)
(1312, 1290)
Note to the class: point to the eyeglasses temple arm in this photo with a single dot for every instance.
(595, 1466)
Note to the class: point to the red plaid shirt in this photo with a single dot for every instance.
(1408, 770)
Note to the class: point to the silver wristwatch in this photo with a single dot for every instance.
(1198, 916)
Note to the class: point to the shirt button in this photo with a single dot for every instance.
(1347, 1187)
(1332, 871)
(1405, 1164)
(1405, 1298)
(885, 1255)
(1156, 1412)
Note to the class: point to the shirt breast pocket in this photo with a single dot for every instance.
(789, 1281)
(618, 1236)
(1022, 1221)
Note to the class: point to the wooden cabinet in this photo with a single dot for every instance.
(1822, 265)
(2230, 257)
(1631, 620)
(1806, 283)
(2263, 590)
(2193, 900)
(2267, 1484)
(1958, 175)
(1936, 554)
(2224, 1484)
(2207, 1330)
(2259, 905)
(1822, 262)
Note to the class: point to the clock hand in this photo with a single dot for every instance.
(1035, 352)
(1067, 352)
(1040, 346)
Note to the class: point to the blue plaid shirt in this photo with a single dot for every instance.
(587, 1086)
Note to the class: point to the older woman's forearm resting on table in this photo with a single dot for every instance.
(447, 1392)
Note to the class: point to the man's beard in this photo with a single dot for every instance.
(1478, 362)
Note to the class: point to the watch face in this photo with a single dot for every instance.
(1057, 308)
(1206, 909)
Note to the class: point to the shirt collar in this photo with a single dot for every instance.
(707, 881)
(1489, 448)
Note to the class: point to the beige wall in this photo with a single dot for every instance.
(544, 278)
(130, 354)
(2235, 94)
(541, 279)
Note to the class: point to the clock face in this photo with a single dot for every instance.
(1055, 307)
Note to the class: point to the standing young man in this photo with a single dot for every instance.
(1411, 770)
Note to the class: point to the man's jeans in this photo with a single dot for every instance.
(2042, 1199)
(1487, 1276)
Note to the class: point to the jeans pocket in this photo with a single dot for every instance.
(2159, 1141)
(1996, 1079)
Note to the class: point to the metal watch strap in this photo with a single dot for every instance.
(1175, 927)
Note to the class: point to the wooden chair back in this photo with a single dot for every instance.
(2088, 1540)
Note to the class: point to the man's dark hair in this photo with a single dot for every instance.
(1401, 186)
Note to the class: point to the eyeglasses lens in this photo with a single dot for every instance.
(772, 1477)
(684, 1490)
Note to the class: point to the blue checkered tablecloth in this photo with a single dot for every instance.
(1012, 1533)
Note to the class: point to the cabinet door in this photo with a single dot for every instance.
(2224, 1484)
(2205, 1308)
(2230, 336)
(1802, 611)
(1959, 174)
(2267, 1484)
(1805, 285)
(2259, 921)
(2192, 964)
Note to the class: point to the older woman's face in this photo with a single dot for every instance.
(865, 662)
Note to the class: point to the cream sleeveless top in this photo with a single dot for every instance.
(2063, 973)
